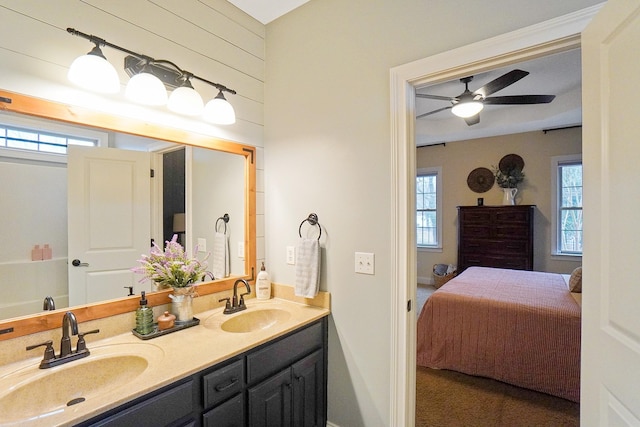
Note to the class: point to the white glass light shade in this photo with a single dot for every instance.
(147, 89)
(93, 72)
(219, 111)
(467, 109)
(185, 100)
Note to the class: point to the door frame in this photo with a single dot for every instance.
(552, 36)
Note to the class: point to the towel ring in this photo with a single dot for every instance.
(313, 220)
(225, 219)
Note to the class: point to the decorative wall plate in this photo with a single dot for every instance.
(480, 180)
(510, 162)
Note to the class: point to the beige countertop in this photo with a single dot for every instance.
(167, 359)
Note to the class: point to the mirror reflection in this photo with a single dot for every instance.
(100, 206)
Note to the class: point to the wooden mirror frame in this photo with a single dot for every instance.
(23, 104)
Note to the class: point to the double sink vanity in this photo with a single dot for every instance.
(265, 365)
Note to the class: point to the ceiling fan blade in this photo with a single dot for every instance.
(519, 99)
(501, 82)
(433, 112)
(473, 120)
(424, 95)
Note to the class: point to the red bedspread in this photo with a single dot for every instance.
(519, 327)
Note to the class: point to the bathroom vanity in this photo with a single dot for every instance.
(280, 383)
(266, 365)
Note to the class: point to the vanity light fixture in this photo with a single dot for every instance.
(150, 80)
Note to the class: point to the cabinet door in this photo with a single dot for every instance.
(309, 391)
(228, 414)
(270, 402)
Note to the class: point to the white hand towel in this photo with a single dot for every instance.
(307, 268)
(220, 263)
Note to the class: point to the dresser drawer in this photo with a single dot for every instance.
(483, 260)
(504, 247)
(512, 216)
(223, 383)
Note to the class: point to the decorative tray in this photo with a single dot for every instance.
(156, 333)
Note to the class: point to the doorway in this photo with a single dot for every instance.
(539, 40)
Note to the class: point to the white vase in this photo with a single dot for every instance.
(509, 197)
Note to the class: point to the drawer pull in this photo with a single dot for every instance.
(224, 387)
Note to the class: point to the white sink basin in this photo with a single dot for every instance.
(33, 394)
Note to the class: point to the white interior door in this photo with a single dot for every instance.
(109, 221)
(610, 393)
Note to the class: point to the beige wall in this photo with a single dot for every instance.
(459, 158)
(327, 150)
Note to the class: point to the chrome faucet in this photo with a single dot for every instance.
(48, 304)
(69, 326)
(236, 305)
(68, 321)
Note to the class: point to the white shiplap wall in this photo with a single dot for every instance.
(210, 38)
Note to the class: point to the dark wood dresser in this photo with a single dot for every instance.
(495, 236)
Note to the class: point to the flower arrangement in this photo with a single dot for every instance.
(510, 178)
(171, 268)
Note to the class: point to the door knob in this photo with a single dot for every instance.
(77, 263)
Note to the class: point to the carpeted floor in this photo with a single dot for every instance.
(451, 399)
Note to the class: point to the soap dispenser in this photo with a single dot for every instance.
(263, 284)
(144, 317)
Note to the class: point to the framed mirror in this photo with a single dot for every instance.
(218, 179)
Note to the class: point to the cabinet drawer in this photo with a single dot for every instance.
(223, 383)
(273, 357)
(511, 231)
(229, 414)
(162, 409)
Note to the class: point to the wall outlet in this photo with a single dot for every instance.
(365, 263)
(202, 244)
(291, 255)
(240, 249)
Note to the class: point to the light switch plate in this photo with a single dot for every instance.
(202, 244)
(291, 255)
(240, 249)
(365, 263)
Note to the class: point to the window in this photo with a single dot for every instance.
(568, 200)
(35, 140)
(43, 140)
(428, 208)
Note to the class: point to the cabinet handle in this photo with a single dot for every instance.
(223, 387)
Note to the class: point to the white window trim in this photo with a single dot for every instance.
(555, 201)
(437, 170)
(102, 138)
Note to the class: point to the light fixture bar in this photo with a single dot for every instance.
(135, 62)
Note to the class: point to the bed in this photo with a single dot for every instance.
(519, 327)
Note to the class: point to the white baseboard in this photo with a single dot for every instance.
(330, 424)
(425, 280)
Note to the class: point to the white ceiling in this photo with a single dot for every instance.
(558, 74)
(266, 11)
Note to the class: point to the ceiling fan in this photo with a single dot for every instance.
(469, 104)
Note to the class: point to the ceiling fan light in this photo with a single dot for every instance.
(146, 89)
(93, 72)
(220, 111)
(185, 100)
(467, 109)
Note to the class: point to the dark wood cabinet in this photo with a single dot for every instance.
(280, 383)
(495, 236)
